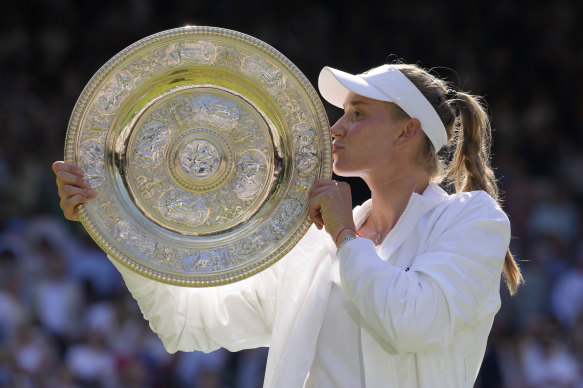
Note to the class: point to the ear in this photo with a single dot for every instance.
(409, 131)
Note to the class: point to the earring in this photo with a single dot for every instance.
(398, 142)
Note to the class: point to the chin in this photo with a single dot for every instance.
(344, 172)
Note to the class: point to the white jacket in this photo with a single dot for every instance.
(426, 304)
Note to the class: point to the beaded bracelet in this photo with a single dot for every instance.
(346, 239)
(342, 230)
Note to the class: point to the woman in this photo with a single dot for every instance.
(400, 292)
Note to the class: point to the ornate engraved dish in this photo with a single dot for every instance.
(202, 144)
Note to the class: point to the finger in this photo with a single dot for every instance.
(68, 178)
(69, 167)
(69, 191)
(69, 206)
(73, 217)
(323, 182)
(316, 218)
(316, 214)
(314, 211)
(68, 173)
(326, 193)
(320, 187)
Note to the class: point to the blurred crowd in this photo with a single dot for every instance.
(66, 319)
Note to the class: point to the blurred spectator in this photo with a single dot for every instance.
(547, 362)
(132, 372)
(57, 299)
(12, 314)
(251, 367)
(196, 369)
(89, 265)
(567, 296)
(532, 300)
(555, 216)
(33, 355)
(92, 362)
(12, 311)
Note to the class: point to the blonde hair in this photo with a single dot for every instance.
(468, 130)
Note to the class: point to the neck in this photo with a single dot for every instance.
(391, 195)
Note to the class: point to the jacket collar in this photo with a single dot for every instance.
(432, 196)
(417, 206)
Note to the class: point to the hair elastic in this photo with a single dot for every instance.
(451, 94)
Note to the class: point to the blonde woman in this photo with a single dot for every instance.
(399, 292)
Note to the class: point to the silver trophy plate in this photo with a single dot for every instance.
(202, 144)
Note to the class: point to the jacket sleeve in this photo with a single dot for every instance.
(234, 316)
(452, 284)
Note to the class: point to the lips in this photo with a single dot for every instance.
(336, 147)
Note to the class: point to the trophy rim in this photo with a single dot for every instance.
(189, 32)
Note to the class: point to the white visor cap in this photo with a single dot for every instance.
(384, 83)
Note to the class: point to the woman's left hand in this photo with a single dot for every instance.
(331, 206)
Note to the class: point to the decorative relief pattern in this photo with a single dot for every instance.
(133, 238)
(204, 261)
(305, 143)
(285, 216)
(226, 208)
(152, 138)
(184, 208)
(93, 163)
(147, 185)
(194, 138)
(109, 99)
(198, 159)
(266, 73)
(219, 112)
(250, 175)
(202, 52)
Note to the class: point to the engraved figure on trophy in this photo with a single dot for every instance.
(200, 158)
(201, 52)
(209, 261)
(204, 261)
(250, 175)
(248, 130)
(108, 101)
(149, 149)
(219, 112)
(184, 208)
(188, 262)
(287, 210)
(226, 207)
(93, 162)
(96, 123)
(305, 144)
(147, 185)
(266, 73)
(128, 234)
(167, 256)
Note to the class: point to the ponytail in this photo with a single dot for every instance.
(470, 167)
(467, 123)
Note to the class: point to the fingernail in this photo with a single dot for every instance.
(91, 191)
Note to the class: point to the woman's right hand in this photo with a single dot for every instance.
(73, 189)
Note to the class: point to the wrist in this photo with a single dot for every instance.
(346, 239)
(344, 234)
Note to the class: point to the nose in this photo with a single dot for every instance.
(338, 129)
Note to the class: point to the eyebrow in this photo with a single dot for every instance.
(355, 103)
